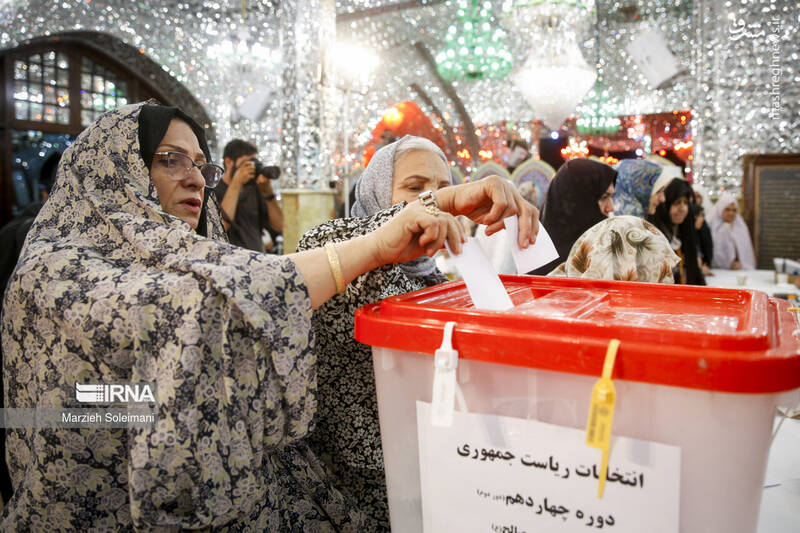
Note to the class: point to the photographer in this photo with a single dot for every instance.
(249, 206)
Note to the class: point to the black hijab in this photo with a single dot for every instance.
(705, 244)
(154, 120)
(679, 188)
(571, 204)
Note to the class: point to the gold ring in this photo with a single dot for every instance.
(432, 210)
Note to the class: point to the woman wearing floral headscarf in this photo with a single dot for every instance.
(126, 276)
(622, 248)
(347, 434)
(634, 193)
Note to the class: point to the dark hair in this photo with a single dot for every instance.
(237, 148)
(47, 174)
(679, 188)
(514, 142)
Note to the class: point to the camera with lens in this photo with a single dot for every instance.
(268, 171)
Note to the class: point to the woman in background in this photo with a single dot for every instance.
(635, 192)
(578, 198)
(701, 197)
(733, 248)
(675, 220)
(705, 243)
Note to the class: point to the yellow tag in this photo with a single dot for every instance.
(601, 413)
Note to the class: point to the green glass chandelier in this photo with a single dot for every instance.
(598, 114)
(474, 49)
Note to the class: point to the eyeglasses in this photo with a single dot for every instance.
(180, 166)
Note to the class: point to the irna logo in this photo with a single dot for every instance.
(115, 392)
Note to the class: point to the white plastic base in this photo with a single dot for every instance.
(724, 437)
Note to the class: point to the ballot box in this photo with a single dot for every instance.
(491, 435)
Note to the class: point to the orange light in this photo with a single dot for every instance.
(393, 118)
(485, 154)
(575, 150)
(662, 153)
(463, 154)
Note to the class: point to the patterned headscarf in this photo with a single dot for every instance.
(634, 186)
(374, 193)
(111, 288)
(623, 248)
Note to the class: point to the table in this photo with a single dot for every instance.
(760, 280)
(780, 504)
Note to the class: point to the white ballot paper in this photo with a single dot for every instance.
(490, 473)
(535, 255)
(483, 283)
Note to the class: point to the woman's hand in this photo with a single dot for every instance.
(412, 232)
(416, 231)
(488, 202)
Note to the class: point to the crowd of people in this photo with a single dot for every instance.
(640, 196)
(147, 263)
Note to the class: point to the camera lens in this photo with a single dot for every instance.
(268, 171)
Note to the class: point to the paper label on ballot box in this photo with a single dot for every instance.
(490, 473)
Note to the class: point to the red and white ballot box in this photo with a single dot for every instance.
(492, 435)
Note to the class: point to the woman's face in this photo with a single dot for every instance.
(605, 203)
(729, 213)
(678, 210)
(655, 200)
(698, 221)
(418, 171)
(180, 197)
(698, 198)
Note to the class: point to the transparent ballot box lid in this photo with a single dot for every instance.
(696, 337)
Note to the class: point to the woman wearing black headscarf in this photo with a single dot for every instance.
(675, 219)
(578, 198)
(705, 243)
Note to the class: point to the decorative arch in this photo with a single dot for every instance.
(55, 86)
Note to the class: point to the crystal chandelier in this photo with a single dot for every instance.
(555, 76)
(242, 51)
(474, 50)
(598, 114)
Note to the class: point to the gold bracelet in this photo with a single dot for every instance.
(336, 268)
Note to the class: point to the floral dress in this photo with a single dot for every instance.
(109, 288)
(346, 436)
